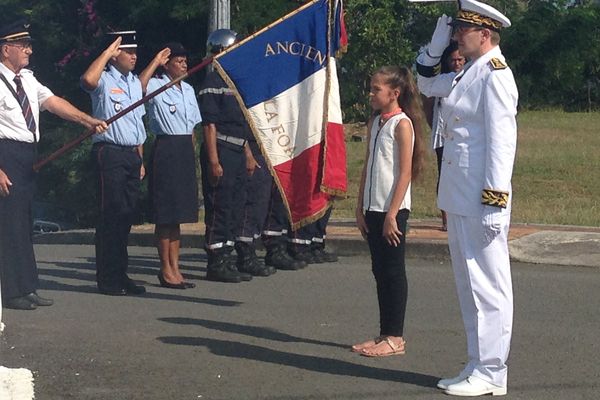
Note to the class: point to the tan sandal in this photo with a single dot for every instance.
(391, 348)
(357, 348)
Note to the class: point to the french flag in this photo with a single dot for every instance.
(286, 82)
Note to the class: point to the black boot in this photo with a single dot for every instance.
(221, 268)
(304, 253)
(278, 257)
(318, 250)
(248, 262)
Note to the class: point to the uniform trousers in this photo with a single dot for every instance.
(389, 270)
(18, 269)
(222, 201)
(484, 286)
(276, 225)
(439, 154)
(118, 195)
(314, 232)
(255, 199)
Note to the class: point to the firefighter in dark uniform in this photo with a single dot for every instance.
(226, 160)
(308, 243)
(275, 233)
(252, 215)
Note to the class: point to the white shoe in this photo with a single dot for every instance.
(474, 386)
(444, 383)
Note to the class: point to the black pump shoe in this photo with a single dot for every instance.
(169, 285)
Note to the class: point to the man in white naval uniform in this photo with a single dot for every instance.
(475, 186)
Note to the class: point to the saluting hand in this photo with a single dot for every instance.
(441, 36)
(5, 183)
(113, 49)
(162, 57)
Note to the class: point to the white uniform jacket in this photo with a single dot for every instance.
(480, 132)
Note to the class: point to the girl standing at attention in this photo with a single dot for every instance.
(394, 158)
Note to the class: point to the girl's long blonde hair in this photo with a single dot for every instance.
(410, 101)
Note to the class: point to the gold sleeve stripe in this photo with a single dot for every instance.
(494, 198)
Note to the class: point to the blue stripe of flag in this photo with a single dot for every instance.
(279, 57)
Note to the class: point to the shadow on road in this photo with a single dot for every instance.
(325, 365)
(92, 289)
(256, 331)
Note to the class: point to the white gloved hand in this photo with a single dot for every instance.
(441, 37)
(491, 221)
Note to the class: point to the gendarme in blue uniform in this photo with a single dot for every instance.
(175, 111)
(118, 169)
(173, 187)
(114, 93)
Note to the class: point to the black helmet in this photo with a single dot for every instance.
(219, 40)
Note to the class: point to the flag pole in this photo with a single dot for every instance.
(75, 142)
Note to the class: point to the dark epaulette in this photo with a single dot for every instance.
(496, 63)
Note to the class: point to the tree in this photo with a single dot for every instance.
(68, 36)
(556, 67)
(553, 48)
(381, 32)
(249, 16)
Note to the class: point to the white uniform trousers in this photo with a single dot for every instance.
(483, 282)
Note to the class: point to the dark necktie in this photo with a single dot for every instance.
(25, 106)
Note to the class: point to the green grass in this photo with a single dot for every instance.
(556, 179)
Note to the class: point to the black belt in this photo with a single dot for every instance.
(117, 146)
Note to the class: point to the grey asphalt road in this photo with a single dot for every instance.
(287, 336)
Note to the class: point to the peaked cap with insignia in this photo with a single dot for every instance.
(476, 13)
(128, 39)
(15, 31)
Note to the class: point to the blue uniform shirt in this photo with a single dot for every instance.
(114, 93)
(175, 111)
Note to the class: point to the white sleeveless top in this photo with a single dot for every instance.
(382, 166)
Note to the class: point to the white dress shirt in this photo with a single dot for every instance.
(12, 121)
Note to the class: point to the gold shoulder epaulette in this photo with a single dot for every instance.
(496, 63)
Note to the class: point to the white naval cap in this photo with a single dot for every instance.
(476, 13)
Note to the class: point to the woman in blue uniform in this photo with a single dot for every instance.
(173, 188)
